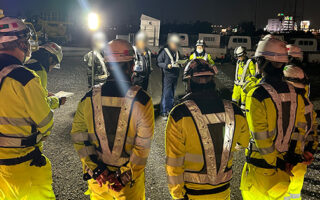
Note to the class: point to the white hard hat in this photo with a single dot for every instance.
(239, 51)
(12, 29)
(272, 49)
(295, 76)
(174, 38)
(200, 43)
(294, 51)
(141, 36)
(54, 49)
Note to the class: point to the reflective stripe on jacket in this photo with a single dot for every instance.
(116, 129)
(26, 117)
(198, 156)
(274, 111)
(243, 71)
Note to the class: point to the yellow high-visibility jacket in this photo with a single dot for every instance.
(244, 69)
(114, 130)
(311, 139)
(251, 82)
(36, 66)
(265, 124)
(206, 56)
(24, 112)
(185, 148)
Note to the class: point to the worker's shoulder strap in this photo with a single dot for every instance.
(205, 57)
(113, 156)
(16, 72)
(212, 176)
(170, 55)
(136, 53)
(245, 69)
(283, 136)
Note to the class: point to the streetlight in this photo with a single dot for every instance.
(93, 25)
(93, 21)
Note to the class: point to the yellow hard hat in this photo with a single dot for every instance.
(272, 49)
(119, 51)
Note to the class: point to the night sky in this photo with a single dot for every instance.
(226, 12)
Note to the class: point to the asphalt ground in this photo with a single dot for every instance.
(67, 171)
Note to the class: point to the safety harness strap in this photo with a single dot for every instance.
(171, 57)
(283, 138)
(6, 70)
(212, 176)
(108, 156)
(207, 192)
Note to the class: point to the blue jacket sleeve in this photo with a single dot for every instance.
(161, 60)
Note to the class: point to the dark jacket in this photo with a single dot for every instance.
(163, 60)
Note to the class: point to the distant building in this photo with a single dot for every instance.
(274, 25)
(288, 24)
(152, 28)
(305, 25)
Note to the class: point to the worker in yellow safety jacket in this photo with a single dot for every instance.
(274, 111)
(296, 76)
(245, 68)
(200, 53)
(25, 119)
(42, 61)
(201, 135)
(112, 130)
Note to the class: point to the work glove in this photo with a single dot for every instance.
(308, 158)
(102, 178)
(118, 180)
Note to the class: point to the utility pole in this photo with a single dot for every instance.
(295, 14)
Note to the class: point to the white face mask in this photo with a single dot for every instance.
(199, 50)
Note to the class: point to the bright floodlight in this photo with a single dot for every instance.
(93, 21)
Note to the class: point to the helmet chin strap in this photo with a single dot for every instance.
(26, 49)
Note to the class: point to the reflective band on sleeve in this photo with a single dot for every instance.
(263, 151)
(175, 180)
(263, 135)
(196, 158)
(137, 160)
(143, 142)
(175, 162)
(297, 136)
(130, 140)
(87, 151)
(295, 196)
(46, 120)
(16, 121)
(83, 136)
(301, 125)
(49, 129)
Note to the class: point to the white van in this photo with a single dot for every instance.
(235, 41)
(306, 44)
(213, 45)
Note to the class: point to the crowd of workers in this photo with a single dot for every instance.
(113, 126)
